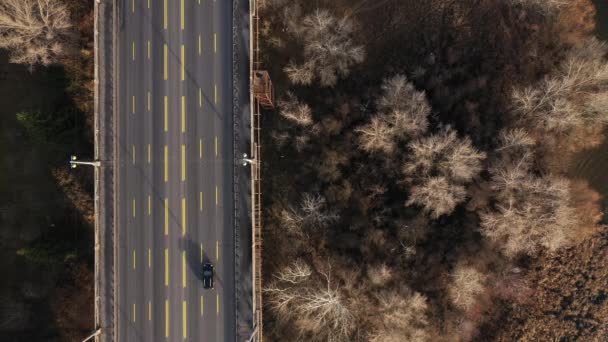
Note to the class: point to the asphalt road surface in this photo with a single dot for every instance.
(174, 174)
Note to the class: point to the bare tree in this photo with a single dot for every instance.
(315, 307)
(295, 273)
(402, 114)
(446, 155)
(312, 214)
(466, 286)
(406, 108)
(329, 50)
(376, 136)
(437, 196)
(531, 212)
(570, 97)
(438, 167)
(295, 111)
(35, 31)
(402, 317)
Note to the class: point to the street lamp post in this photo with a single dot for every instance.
(74, 162)
(246, 160)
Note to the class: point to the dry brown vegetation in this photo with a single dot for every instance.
(411, 189)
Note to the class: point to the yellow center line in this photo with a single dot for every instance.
(183, 216)
(202, 306)
(183, 52)
(149, 258)
(200, 97)
(149, 153)
(166, 267)
(166, 114)
(216, 146)
(215, 93)
(200, 200)
(149, 101)
(148, 3)
(200, 45)
(166, 163)
(149, 52)
(133, 51)
(166, 216)
(185, 320)
(133, 104)
(216, 196)
(183, 15)
(184, 269)
(166, 316)
(134, 264)
(133, 207)
(214, 42)
(149, 310)
(183, 114)
(134, 313)
(217, 250)
(149, 205)
(217, 304)
(183, 162)
(201, 252)
(165, 14)
(200, 149)
(133, 154)
(132, 6)
(166, 61)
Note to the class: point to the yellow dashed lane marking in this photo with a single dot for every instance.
(200, 97)
(134, 313)
(133, 51)
(133, 104)
(133, 207)
(215, 93)
(149, 153)
(185, 320)
(200, 200)
(166, 61)
(217, 250)
(149, 50)
(216, 196)
(201, 252)
(165, 14)
(166, 114)
(183, 216)
(217, 304)
(166, 216)
(133, 153)
(200, 149)
(149, 101)
(166, 267)
(200, 45)
(183, 162)
(132, 6)
(183, 55)
(166, 316)
(166, 163)
(183, 114)
(184, 282)
(134, 264)
(202, 306)
(149, 258)
(182, 15)
(149, 205)
(216, 147)
(149, 310)
(214, 42)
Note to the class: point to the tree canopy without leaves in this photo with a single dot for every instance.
(438, 167)
(402, 317)
(402, 114)
(547, 7)
(35, 31)
(530, 212)
(329, 50)
(467, 285)
(575, 94)
(295, 111)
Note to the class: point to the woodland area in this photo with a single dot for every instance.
(414, 175)
(46, 209)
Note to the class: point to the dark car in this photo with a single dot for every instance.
(208, 276)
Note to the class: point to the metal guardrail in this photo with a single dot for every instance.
(256, 186)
